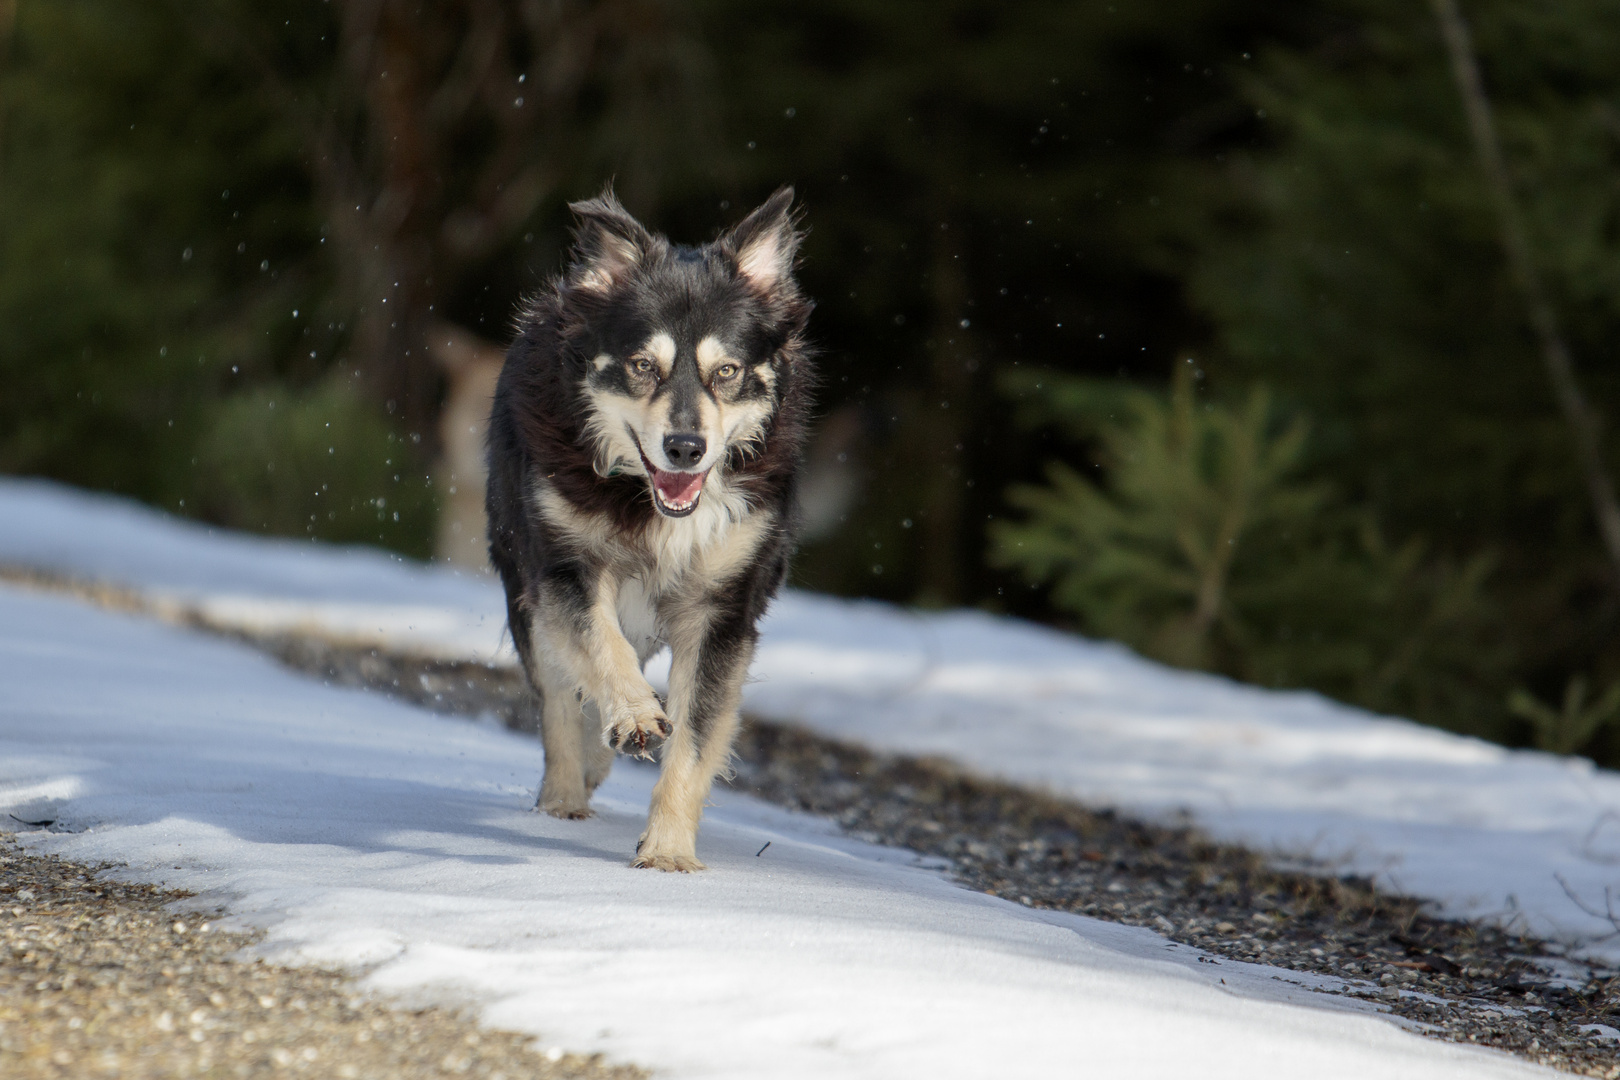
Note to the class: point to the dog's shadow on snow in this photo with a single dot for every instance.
(367, 815)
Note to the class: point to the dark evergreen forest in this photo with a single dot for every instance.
(1274, 339)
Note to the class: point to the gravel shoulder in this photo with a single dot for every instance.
(99, 978)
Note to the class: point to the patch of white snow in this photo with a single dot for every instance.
(1525, 838)
(365, 834)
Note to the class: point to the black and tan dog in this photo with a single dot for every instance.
(643, 452)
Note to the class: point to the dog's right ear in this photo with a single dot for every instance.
(608, 243)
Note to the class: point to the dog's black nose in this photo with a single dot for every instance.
(684, 451)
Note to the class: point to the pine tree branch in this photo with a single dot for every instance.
(1516, 243)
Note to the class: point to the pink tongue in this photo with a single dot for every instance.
(679, 488)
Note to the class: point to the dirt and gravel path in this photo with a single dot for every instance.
(1447, 979)
(104, 979)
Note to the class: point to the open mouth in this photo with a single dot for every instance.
(675, 493)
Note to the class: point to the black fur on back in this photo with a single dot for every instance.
(537, 427)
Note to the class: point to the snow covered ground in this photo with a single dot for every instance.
(364, 833)
(1485, 832)
(233, 579)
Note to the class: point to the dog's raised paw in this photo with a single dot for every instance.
(684, 864)
(638, 735)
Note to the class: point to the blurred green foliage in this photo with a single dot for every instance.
(1024, 218)
(1356, 266)
(985, 185)
(1202, 543)
(1353, 263)
(320, 461)
(1567, 729)
(159, 266)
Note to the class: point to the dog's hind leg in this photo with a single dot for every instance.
(705, 689)
(599, 756)
(564, 791)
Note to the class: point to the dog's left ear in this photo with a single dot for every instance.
(765, 242)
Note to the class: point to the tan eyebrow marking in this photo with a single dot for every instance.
(661, 349)
(710, 355)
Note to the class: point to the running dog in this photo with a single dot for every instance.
(644, 449)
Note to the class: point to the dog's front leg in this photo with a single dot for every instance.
(711, 650)
(583, 651)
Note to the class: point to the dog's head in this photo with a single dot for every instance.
(685, 345)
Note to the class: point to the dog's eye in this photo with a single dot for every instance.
(725, 371)
(643, 365)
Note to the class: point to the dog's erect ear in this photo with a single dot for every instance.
(765, 242)
(608, 243)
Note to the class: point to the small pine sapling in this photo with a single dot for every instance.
(1567, 729)
(1201, 542)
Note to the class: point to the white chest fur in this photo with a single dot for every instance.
(674, 559)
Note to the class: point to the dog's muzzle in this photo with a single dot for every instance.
(675, 494)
